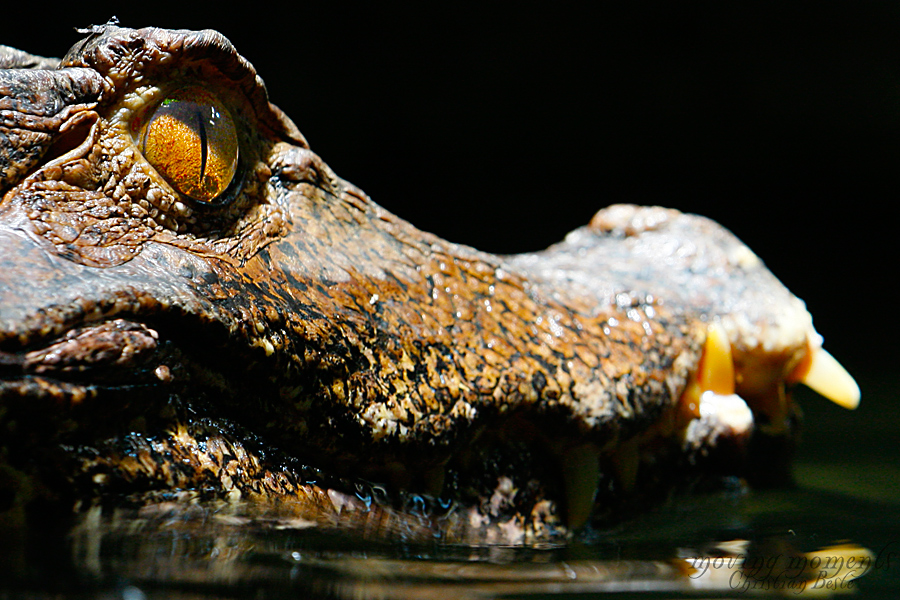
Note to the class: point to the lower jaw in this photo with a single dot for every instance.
(213, 463)
(506, 492)
(198, 464)
(219, 474)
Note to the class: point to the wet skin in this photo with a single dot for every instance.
(196, 309)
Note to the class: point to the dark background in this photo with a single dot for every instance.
(505, 125)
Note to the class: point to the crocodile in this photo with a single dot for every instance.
(195, 307)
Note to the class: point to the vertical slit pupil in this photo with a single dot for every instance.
(201, 127)
(191, 140)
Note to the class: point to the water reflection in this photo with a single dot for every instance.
(724, 545)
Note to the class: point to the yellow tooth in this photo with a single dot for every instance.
(626, 462)
(581, 476)
(827, 377)
(717, 367)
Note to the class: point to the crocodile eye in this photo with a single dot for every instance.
(191, 140)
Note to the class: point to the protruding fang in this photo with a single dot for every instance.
(626, 462)
(826, 376)
(715, 373)
(717, 367)
(581, 473)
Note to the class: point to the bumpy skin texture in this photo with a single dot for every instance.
(295, 336)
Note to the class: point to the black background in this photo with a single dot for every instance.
(505, 125)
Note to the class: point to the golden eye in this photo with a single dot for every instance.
(191, 140)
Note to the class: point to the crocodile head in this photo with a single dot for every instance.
(192, 304)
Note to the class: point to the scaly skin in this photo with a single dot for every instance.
(293, 340)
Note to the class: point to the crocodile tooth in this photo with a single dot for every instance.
(580, 467)
(825, 375)
(626, 462)
(715, 373)
(717, 366)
